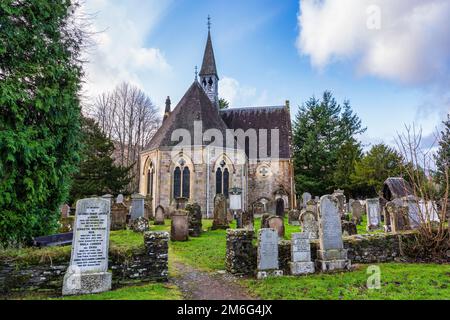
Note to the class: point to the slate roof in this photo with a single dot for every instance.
(209, 62)
(194, 106)
(277, 117)
(396, 188)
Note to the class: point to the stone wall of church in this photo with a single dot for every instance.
(266, 178)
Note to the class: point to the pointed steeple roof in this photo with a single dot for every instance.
(194, 106)
(209, 62)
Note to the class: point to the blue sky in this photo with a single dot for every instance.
(269, 51)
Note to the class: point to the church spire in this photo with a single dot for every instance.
(208, 73)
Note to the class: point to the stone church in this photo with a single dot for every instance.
(245, 149)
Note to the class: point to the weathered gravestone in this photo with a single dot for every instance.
(230, 216)
(340, 196)
(309, 224)
(301, 254)
(373, 214)
(195, 219)
(248, 220)
(305, 198)
(65, 211)
(277, 223)
(293, 218)
(357, 212)
(119, 213)
(398, 214)
(414, 215)
(88, 270)
(220, 213)
(180, 203)
(159, 216)
(268, 264)
(109, 197)
(179, 230)
(137, 206)
(332, 255)
(264, 220)
(140, 225)
(119, 198)
(312, 206)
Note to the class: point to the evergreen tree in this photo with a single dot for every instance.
(320, 131)
(380, 163)
(443, 156)
(223, 104)
(40, 76)
(98, 175)
(348, 155)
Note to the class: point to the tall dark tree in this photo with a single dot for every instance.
(380, 163)
(40, 76)
(98, 175)
(348, 156)
(443, 157)
(321, 129)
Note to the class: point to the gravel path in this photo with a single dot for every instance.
(200, 285)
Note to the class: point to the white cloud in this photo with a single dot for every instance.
(236, 94)
(121, 53)
(411, 46)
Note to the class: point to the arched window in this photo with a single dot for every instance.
(226, 183)
(219, 181)
(186, 182)
(177, 183)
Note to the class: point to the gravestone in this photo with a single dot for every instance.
(65, 211)
(268, 264)
(119, 198)
(429, 211)
(230, 216)
(220, 213)
(349, 228)
(357, 212)
(277, 223)
(373, 214)
(137, 206)
(109, 197)
(279, 207)
(88, 270)
(340, 196)
(301, 254)
(332, 255)
(248, 220)
(398, 214)
(180, 203)
(312, 206)
(258, 209)
(195, 219)
(309, 224)
(305, 198)
(264, 220)
(140, 225)
(179, 230)
(160, 216)
(293, 218)
(119, 213)
(350, 202)
(413, 212)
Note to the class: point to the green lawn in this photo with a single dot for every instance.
(398, 282)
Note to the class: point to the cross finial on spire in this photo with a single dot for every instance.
(196, 73)
(209, 22)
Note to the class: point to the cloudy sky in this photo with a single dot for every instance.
(390, 58)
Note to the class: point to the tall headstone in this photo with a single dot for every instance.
(373, 214)
(179, 230)
(119, 213)
(220, 213)
(305, 198)
(357, 212)
(248, 220)
(279, 211)
(294, 216)
(313, 206)
(332, 255)
(301, 254)
(309, 224)
(342, 200)
(277, 223)
(160, 215)
(195, 219)
(137, 206)
(414, 215)
(88, 270)
(268, 264)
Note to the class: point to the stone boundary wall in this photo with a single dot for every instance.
(146, 264)
(364, 249)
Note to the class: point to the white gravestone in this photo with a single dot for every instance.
(413, 212)
(305, 198)
(88, 270)
(429, 211)
(373, 210)
(301, 254)
(332, 255)
(268, 264)
(119, 198)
